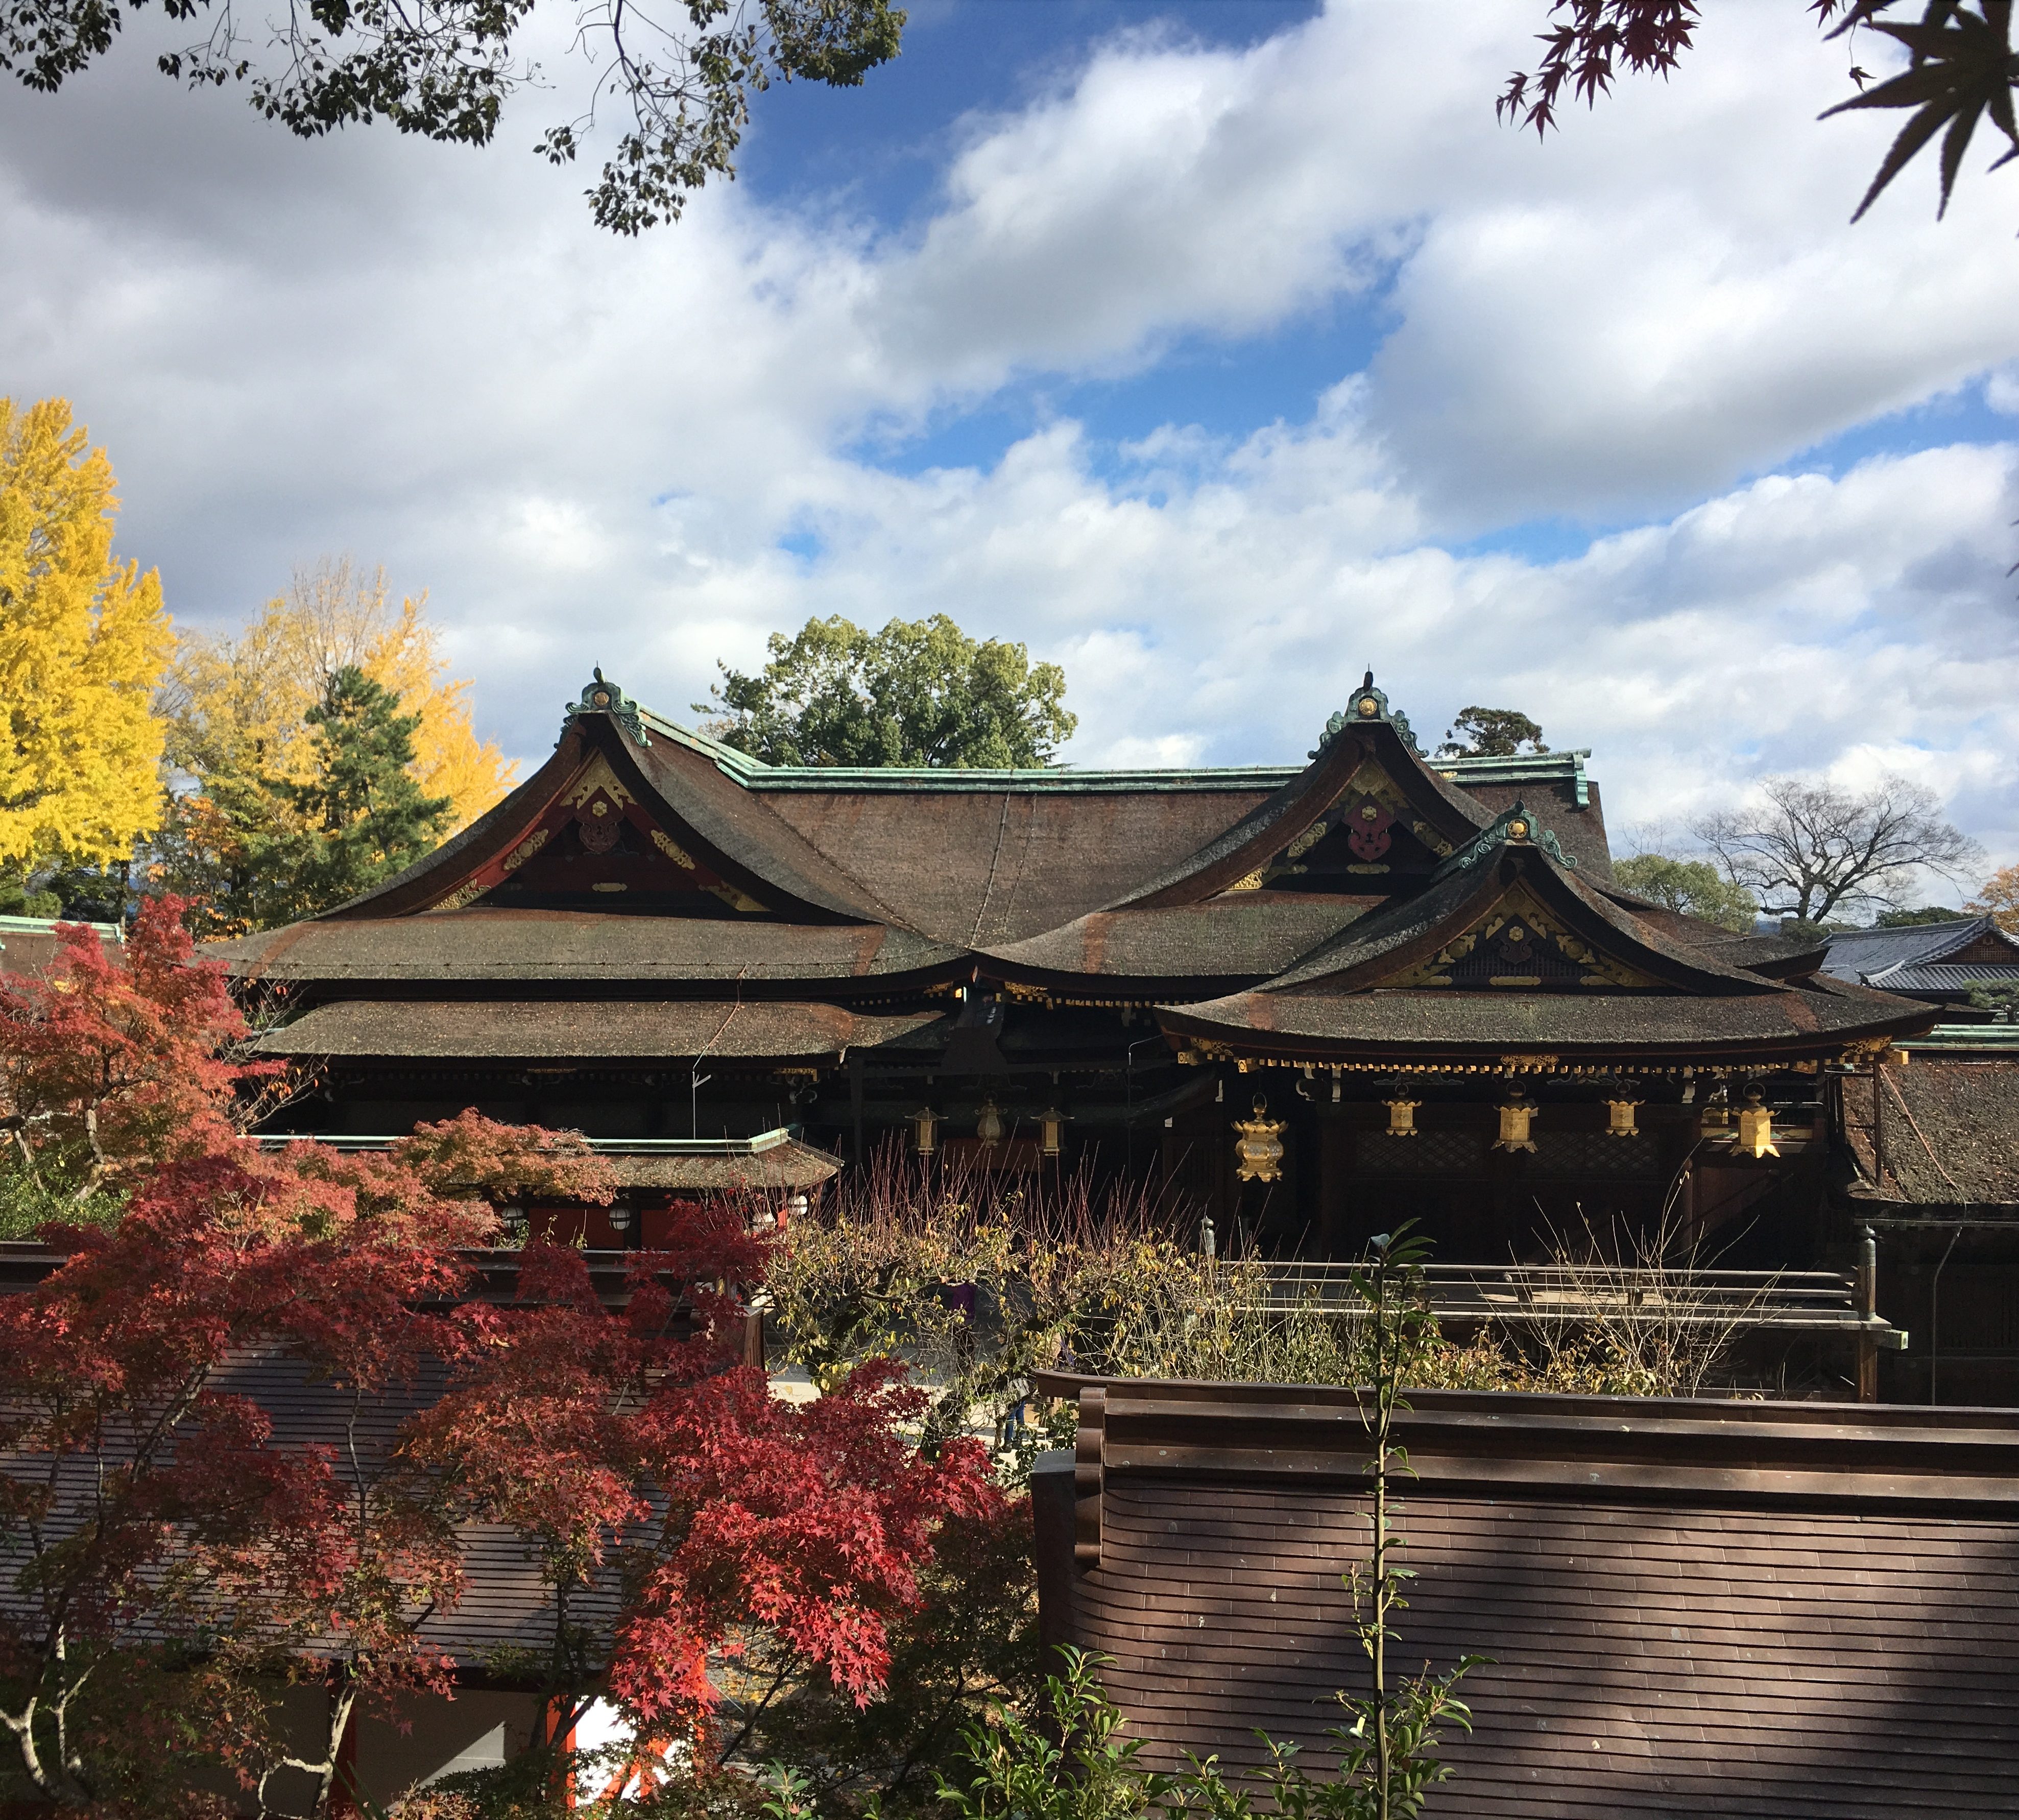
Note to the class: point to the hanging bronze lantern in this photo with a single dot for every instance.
(925, 1122)
(988, 1125)
(1258, 1151)
(1756, 1127)
(1619, 1118)
(1051, 1131)
(1516, 1116)
(1402, 1117)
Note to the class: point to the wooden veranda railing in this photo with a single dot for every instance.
(1815, 1302)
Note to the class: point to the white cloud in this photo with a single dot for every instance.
(588, 448)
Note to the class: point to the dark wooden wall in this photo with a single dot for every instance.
(1650, 1660)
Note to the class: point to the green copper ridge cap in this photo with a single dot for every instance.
(599, 697)
(1369, 705)
(642, 722)
(1500, 833)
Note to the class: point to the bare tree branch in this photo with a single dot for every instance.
(1808, 849)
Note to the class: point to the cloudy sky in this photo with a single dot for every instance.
(1215, 350)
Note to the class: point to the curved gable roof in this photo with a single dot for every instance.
(1369, 750)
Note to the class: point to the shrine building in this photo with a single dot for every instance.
(1304, 1001)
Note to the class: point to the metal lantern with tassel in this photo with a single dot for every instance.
(1756, 1127)
(1516, 1114)
(1258, 1151)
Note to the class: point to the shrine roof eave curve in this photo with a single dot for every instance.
(1817, 1022)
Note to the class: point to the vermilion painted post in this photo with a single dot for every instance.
(550, 1720)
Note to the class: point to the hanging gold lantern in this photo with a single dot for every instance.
(1619, 1118)
(926, 1122)
(1051, 1131)
(1515, 1115)
(1402, 1117)
(1258, 1151)
(988, 1126)
(1756, 1127)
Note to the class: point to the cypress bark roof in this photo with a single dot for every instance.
(1507, 948)
(559, 1029)
(1952, 1131)
(1304, 908)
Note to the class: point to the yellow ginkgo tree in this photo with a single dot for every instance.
(84, 645)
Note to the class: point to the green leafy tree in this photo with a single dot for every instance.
(679, 74)
(920, 692)
(1491, 733)
(1961, 69)
(1690, 888)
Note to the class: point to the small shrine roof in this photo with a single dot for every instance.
(1616, 983)
(1862, 953)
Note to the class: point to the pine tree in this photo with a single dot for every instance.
(365, 817)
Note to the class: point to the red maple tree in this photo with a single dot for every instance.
(115, 1059)
(168, 1543)
(675, 1504)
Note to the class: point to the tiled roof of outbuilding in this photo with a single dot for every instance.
(1856, 953)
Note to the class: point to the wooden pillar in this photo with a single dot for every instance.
(1867, 1276)
(1336, 1145)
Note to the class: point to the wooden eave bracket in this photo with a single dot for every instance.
(1089, 1459)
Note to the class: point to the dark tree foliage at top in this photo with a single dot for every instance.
(365, 816)
(681, 75)
(1911, 919)
(920, 692)
(1491, 733)
(1960, 67)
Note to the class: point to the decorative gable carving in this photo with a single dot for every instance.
(596, 844)
(1371, 829)
(1519, 946)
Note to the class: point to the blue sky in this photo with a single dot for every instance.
(1210, 350)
